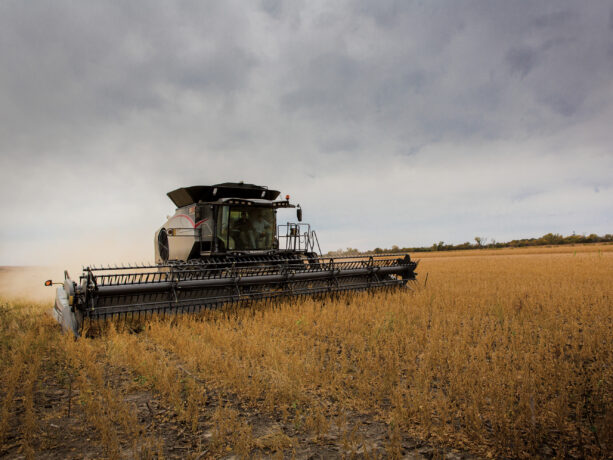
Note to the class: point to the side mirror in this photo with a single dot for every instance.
(299, 213)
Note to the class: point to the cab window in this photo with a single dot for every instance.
(245, 228)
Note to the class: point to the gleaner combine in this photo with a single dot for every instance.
(223, 246)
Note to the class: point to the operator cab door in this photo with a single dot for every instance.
(204, 225)
(221, 230)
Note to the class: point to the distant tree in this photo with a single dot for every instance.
(548, 239)
(552, 238)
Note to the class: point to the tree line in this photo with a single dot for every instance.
(550, 239)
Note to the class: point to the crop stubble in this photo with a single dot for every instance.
(502, 353)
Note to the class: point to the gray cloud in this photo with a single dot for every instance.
(461, 118)
(521, 60)
(554, 19)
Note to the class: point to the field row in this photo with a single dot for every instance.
(495, 356)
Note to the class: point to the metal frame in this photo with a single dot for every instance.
(188, 287)
(298, 238)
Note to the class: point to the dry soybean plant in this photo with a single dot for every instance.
(502, 353)
(506, 355)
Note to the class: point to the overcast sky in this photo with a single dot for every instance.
(390, 122)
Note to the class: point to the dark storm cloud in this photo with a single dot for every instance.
(488, 112)
(402, 66)
(273, 7)
(426, 69)
(521, 60)
(557, 19)
(92, 64)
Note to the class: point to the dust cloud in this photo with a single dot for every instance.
(28, 283)
(25, 279)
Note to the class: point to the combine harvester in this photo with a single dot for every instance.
(222, 246)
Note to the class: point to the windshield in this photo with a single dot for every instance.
(244, 228)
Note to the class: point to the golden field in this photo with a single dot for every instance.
(502, 353)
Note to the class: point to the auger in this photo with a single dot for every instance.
(223, 246)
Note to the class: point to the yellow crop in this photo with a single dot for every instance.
(501, 353)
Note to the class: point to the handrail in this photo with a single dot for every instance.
(298, 237)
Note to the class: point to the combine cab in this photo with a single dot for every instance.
(223, 246)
